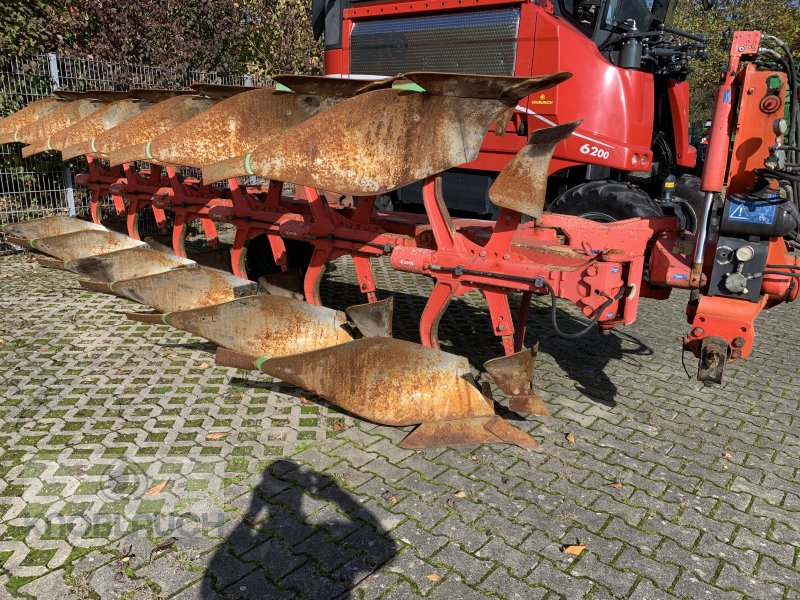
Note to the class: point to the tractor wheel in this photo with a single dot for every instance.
(605, 202)
(687, 188)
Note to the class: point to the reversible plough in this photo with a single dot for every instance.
(337, 138)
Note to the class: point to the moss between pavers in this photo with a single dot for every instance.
(14, 490)
(35, 510)
(150, 506)
(197, 485)
(38, 557)
(57, 531)
(99, 531)
(240, 465)
(16, 533)
(15, 582)
(75, 508)
(52, 489)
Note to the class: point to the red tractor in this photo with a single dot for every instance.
(629, 88)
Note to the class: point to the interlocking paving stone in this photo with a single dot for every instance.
(97, 412)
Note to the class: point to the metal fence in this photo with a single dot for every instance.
(42, 185)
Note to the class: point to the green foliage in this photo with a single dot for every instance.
(262, 37)
(780, 18)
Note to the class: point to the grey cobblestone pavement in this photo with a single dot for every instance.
(132, 467)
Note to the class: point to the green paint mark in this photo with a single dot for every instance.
(411, 87)
(66, 268)
(261, 361)
(279, 87)
(49, 147)
(164, 318)
(94, 147)
(111, 286)
(16, 139)
(147, 150)
(247, 165)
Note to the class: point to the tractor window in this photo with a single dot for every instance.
(640, 11)
(581, 12)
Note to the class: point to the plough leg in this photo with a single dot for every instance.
(442, 294)
(179, 234)
(314, 274)
(366, 279)
(502, 322)
(522, 321)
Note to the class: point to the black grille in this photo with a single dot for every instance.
(482, 42)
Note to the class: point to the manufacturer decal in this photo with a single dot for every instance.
(542, 100)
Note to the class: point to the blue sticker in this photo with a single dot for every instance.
(751, 212)
(680, 276)
(615, 269)
(609, 315)
(726, 97)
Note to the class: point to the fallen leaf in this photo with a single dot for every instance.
(203, 365)
(156, 489)
(306, 399)
(433, 577)
(337, 425)
(570, 437)
(217, 435)
(451, 503)
(460, 494)
(389, 497)
(165, 545)
(504, 480)
(89, 354)
(574, 549)
(617, 485)
(728, 456)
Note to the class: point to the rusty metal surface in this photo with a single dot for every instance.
(127, 142)
(182, 289)
(238, 360)
(468, 431)
(24, 117)
(331, 87)
(66, 116)
(220, 91)
(265, 325)
(388, 381)
(283, 283)
(373, 319)
(514, 375)
(233, 127)
(521, 186)
(47, 227)
(126, 264)
(489, 87)
(155, 95)
(378, 141)
(78, 139)
(80, 244)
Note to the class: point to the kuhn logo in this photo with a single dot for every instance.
(542, 100)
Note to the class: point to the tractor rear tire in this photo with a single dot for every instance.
(687, 188)
(605, 202)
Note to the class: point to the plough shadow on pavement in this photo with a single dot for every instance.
(302, 536)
